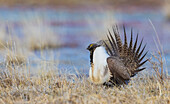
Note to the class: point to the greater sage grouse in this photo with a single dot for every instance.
(115, 62)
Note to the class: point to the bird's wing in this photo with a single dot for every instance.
(117, 68)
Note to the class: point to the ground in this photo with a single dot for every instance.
(50, 87)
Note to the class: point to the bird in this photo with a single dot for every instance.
(113, 62)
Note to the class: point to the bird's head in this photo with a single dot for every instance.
(93, 46)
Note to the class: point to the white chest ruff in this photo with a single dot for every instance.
(99, 72)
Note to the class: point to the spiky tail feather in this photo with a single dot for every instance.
(131, 56)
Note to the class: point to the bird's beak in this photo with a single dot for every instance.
(88, 48)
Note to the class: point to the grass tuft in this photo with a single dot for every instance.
(53, 88)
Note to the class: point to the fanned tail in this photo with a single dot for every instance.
(118, 40)
(131, 55)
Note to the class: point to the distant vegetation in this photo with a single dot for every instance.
(36, 36)
(75, 3)
(166, 9)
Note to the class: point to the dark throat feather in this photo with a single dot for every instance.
(91, 56)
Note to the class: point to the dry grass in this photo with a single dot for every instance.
(50, 87)
(36, 36)
(158, 61)
(158, 66)
(12, 53)
(15, 58)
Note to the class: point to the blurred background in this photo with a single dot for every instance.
(56, 33)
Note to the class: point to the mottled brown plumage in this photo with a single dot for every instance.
(124, 61)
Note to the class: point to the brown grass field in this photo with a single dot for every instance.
(18, 86)
(50, 86)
